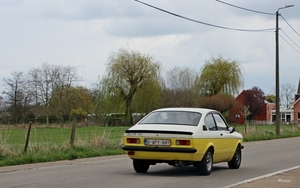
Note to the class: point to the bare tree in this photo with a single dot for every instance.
(42, 80)
(46, 79)
(33, 86)
(66, 79)
(287, 93)
(2, 106)
(180, 88)
(15, 95)
(3, 111)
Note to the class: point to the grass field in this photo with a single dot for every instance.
(50, 135)
(53, 143)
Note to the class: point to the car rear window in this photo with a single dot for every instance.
(172, 118)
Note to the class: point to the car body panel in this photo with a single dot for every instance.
(200, 145)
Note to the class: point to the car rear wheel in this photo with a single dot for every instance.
(140, 166)
(236, 160)
(205, 166)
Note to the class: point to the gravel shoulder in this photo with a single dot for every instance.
(282, 179)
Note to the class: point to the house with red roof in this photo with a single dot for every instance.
(239, 114)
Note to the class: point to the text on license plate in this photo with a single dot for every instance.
(157, 142)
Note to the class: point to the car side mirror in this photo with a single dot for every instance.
(231, 129)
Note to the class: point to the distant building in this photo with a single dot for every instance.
(238, 114)
(296, 106)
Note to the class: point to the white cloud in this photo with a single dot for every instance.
(83, 33)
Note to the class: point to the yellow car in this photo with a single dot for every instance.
(182, 137)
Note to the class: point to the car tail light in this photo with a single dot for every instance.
(133, 140)
(183, 142)
(130, 152)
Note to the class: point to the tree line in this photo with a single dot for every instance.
(133, 83)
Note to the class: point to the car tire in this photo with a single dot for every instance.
(236, 160)
(205, 166)
(140, 166)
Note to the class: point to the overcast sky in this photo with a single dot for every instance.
(84, 33)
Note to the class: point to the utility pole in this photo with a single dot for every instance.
(277, 72)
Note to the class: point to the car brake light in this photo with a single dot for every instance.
(183, 142)
(133, 140)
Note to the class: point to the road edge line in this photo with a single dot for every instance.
(261, 177)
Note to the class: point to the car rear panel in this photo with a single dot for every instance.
(192, 152)
(171, 134)
(161, 145)
(160, 133)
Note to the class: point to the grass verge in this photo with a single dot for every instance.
(52, 144)
(267, 132)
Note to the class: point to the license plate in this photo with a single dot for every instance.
(157, 142)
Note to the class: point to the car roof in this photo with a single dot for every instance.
(200, 110)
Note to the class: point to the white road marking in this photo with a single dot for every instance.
(263, 176)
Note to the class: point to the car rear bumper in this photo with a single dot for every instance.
(159, 149)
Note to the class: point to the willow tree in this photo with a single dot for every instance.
(151, 91)
(106, 99)
(127, 72)
(220, 76)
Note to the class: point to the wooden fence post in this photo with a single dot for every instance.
(27, 138)
(72, 137)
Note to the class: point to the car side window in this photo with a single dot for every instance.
(210, 122)
(221, 125)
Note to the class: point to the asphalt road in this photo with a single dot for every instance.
(259, 158)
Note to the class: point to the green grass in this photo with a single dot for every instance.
(267, 132)
(57, 135)
(52, 143)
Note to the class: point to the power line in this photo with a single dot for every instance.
(269, 14)
(290, 25)
(245, 8)
(258, 12)
(204, 23)
(289, 44)
(290, 38)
